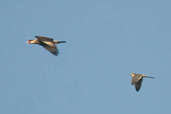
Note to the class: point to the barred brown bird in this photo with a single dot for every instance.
(137, 80)
(47, 43)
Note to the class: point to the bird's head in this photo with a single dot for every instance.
(132, 74)
(32, 42)
(29, 42)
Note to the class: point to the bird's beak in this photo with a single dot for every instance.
(28, 42)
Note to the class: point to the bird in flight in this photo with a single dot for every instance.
(47, 43)
(137, 80)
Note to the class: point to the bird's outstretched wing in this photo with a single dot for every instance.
(138, 84)
(43, 38)
(52, 49)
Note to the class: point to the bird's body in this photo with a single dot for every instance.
(47, 43)
(137, 80)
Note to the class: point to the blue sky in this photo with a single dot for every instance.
(106, 41)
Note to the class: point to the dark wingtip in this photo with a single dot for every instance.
(137, 89)
(55, 53)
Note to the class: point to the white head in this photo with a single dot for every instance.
(32, 42)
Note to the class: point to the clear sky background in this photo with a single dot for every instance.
(106, 41)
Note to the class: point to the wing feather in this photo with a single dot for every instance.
(138, 84)
(51, 48)
(43, 38)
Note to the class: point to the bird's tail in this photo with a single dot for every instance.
(148, 76)
(62, 41)
(57, 42)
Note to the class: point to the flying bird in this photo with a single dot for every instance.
(137, 80)
(47, 43)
